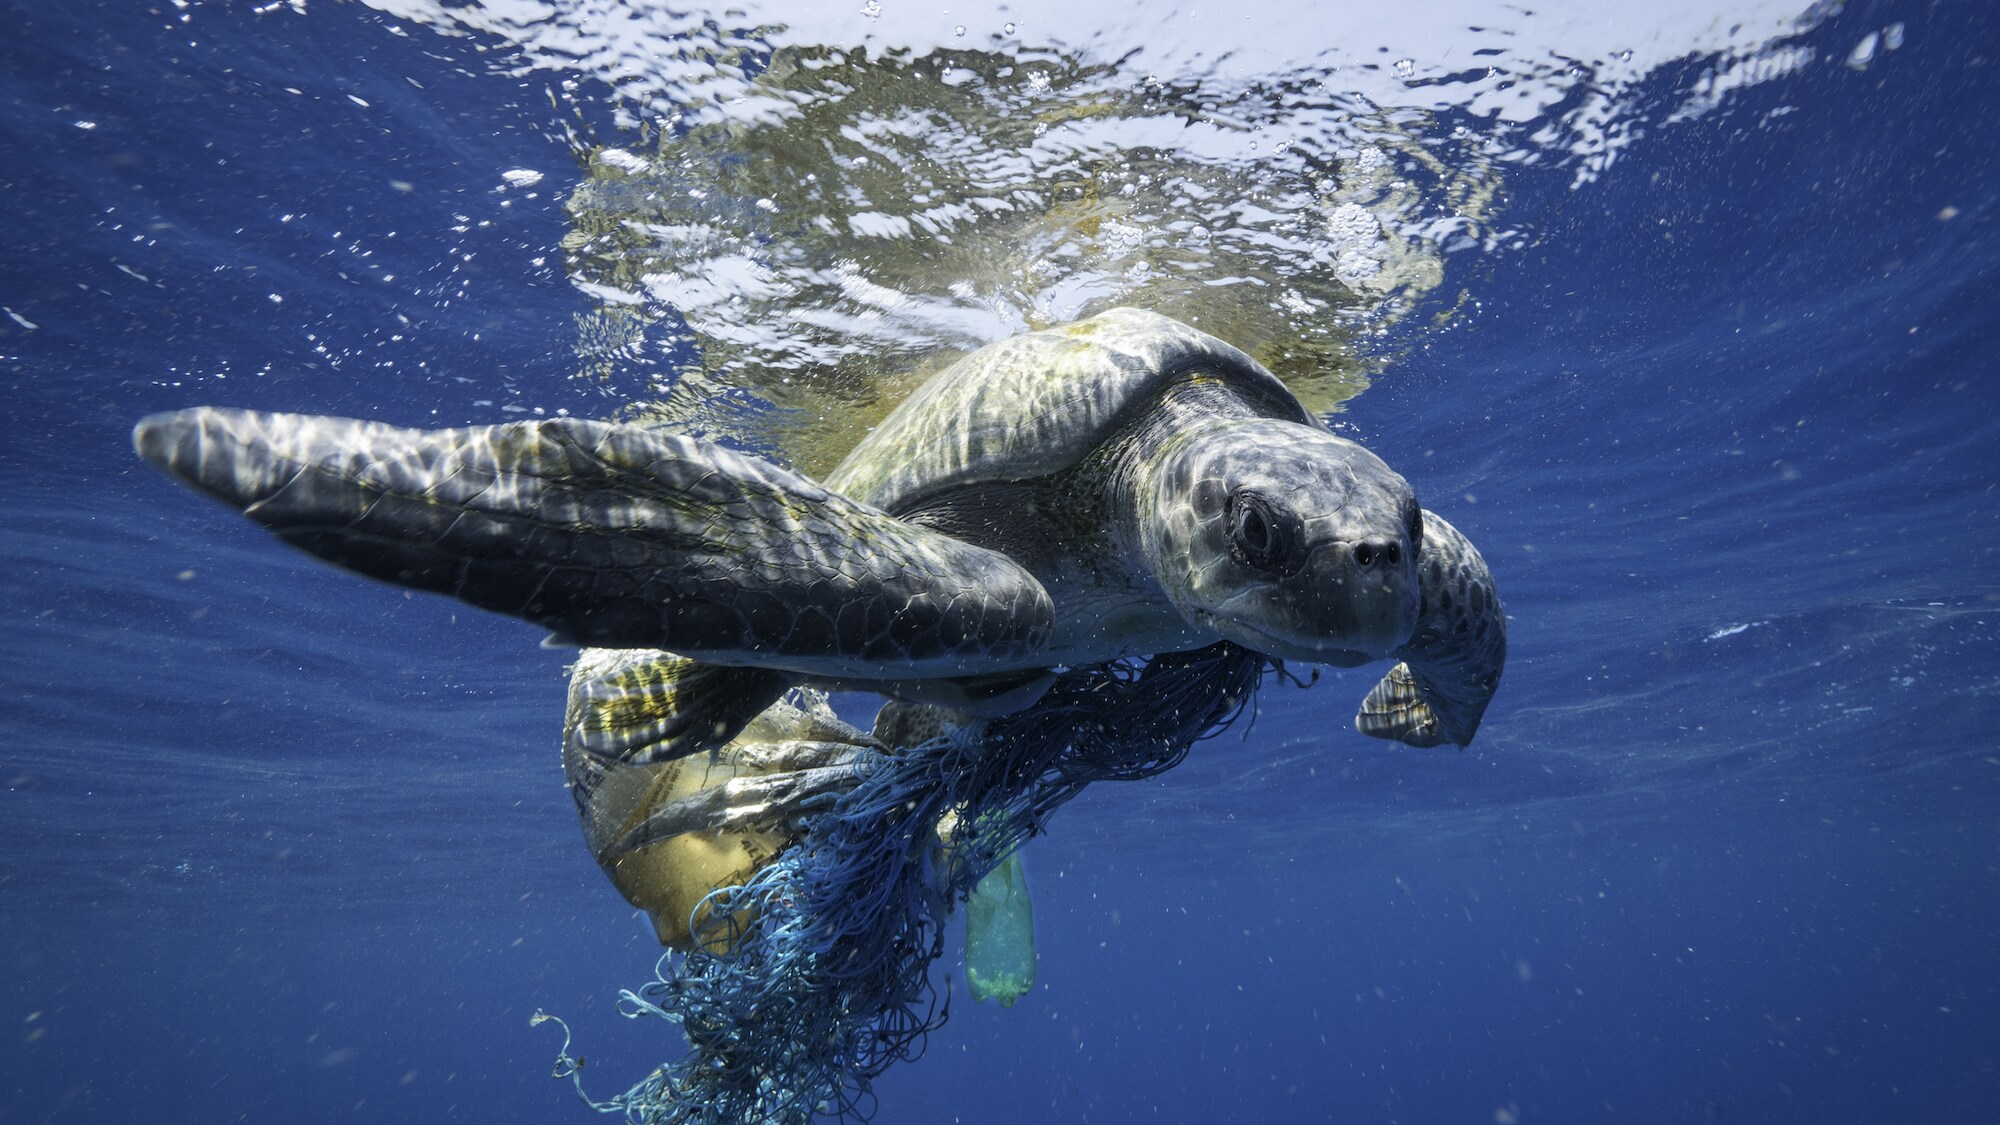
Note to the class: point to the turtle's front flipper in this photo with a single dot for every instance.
(1451, 665)
(616, 536)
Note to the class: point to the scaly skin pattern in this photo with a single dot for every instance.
(1337, 502)
(1450, 667)
(616, 536)
(644, 705)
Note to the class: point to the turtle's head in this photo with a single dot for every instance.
(1286, 540)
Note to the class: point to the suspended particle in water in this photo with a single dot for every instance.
(1864, 51)
(1405, 68)
(1892, 36)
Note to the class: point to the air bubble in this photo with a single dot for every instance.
(959, 31)
(1405, 68)
(1007, 30)
(872, 9)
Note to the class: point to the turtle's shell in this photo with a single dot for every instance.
(1031, 406)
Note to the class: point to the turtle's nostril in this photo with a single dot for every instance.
(1374, 551)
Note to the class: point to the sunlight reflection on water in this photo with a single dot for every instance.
(802, 213)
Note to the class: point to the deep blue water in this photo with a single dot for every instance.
(283, 845)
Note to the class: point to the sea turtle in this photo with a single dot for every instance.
(1123, 486)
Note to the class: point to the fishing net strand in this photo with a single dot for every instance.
(828, 982)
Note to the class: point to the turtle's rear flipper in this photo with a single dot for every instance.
(616, 536)
(1451, 665)
(642, 707)
(670, 833)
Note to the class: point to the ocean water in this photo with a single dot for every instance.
(1684, 317)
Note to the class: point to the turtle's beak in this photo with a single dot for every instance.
(1350, 604)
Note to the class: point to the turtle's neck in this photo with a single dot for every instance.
(1145, 461)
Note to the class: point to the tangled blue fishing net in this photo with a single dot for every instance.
(830, 983)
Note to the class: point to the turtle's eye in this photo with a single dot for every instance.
(1262, 535)
(1416, 522)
